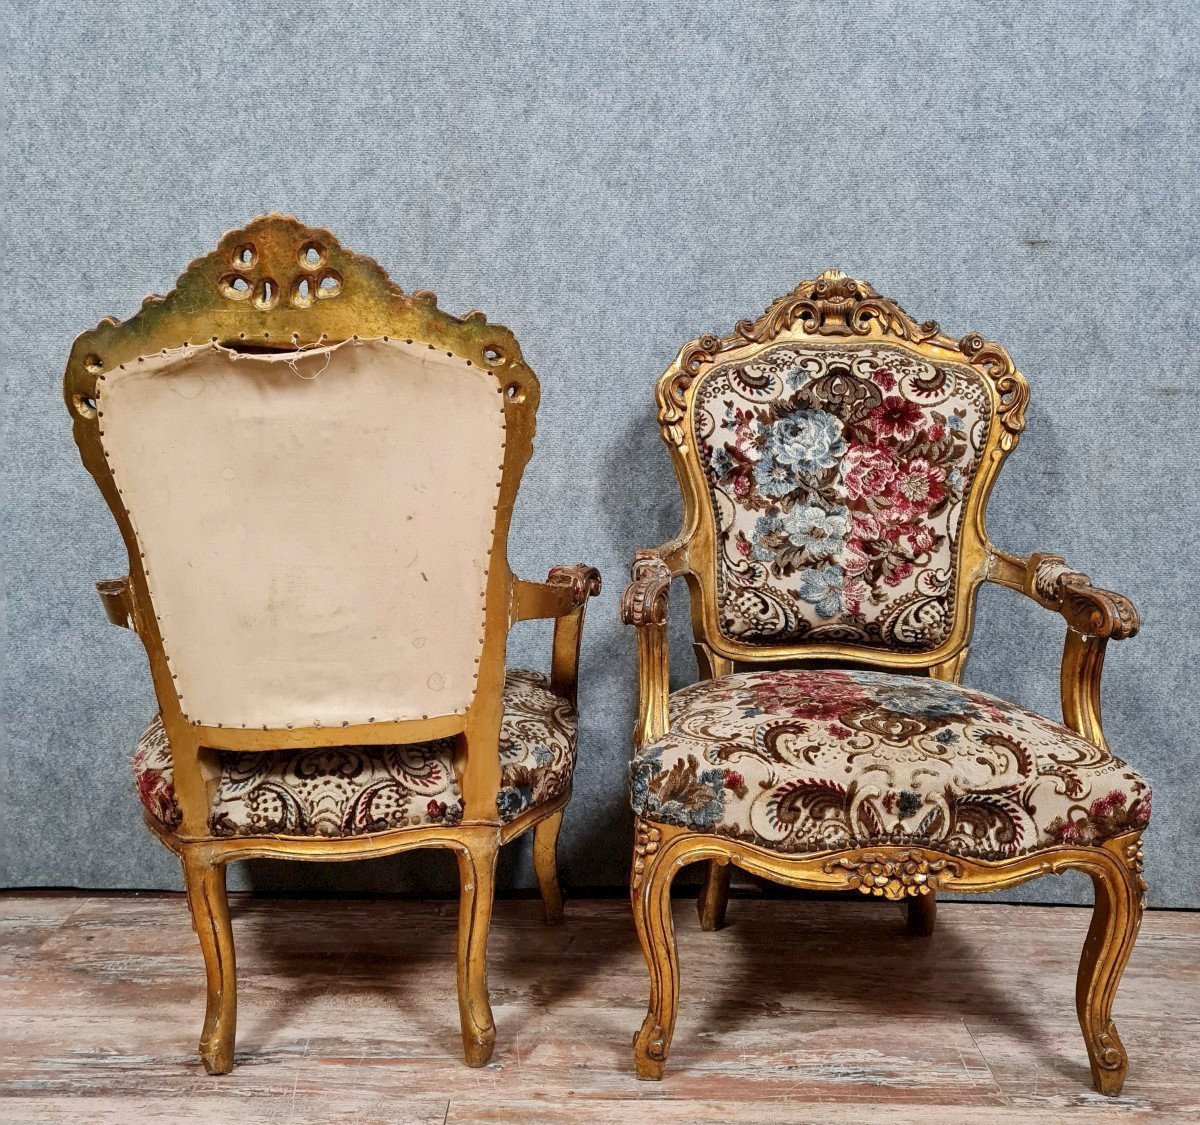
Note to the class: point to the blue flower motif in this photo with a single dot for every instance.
(821, 587)
(956, 422)
(947, 736)
(796, 376)
(821, 533)
(955, 480)
(542, 755)
(510, 801)
(773, 478)
(643, 767)
(721, 463)
(809, 441)
(916, 698)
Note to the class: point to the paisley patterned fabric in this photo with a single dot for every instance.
(838, 475)
(816, 760)
(351, 790)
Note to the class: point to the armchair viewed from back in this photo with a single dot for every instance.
(314, 476)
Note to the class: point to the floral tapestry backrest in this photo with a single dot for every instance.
(838, 474)
(315, 526)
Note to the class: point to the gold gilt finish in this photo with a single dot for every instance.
(837, 306)
(279, 285)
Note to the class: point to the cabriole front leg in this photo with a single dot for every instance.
(650, 890)
(209, 904)
(1116, 918)
(477, 878)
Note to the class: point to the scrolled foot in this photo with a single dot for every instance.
(650, 1051)
(1109, 1062)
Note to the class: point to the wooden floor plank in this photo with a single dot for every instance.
(797, 1011)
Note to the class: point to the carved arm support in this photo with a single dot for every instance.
(563, 597)
(644, 606)
(1093, 617)
(116, 595)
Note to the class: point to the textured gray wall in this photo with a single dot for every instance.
(609, 181)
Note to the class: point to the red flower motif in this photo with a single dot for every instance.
(936, 432)
(921, 539)
(919, 486)
(734, 780)
(882, 377)
(436, 810)
(896, 417)
(821, 700)
(1102, 806)
(854, 592)
(869, 471)
(742, 544)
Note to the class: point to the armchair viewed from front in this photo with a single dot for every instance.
(835, 459)
(314, 475)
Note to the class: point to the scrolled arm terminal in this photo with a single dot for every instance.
(1086, 608)
(583, 581)
(646, 597)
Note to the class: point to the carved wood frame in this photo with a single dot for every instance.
(908, 874)
(834, 306)
(280, 285)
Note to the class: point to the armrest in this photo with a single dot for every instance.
(116, 595)
(565, 590)
(1050, 581)
(644, 606)
(563, 597)
(1093, 617)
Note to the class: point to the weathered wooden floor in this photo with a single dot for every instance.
(798, 1011)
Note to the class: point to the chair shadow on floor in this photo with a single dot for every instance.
(858, 962)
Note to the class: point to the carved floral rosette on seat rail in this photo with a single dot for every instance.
(835, 458)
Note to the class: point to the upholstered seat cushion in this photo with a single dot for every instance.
(351, 790)
(812, 760)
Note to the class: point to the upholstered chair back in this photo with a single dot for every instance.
(838, 474)
(836, 458)
(315, 526)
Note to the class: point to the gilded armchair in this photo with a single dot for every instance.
(835, 459)
(314, 475)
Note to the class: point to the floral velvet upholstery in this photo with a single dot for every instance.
(813, 760)
(838, 475)
(351, 790)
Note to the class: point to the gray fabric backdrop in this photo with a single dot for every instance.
(608, 181)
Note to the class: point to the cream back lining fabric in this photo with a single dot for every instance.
(316, 525)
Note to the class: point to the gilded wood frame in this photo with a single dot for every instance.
(279, 285)
(834, 306)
